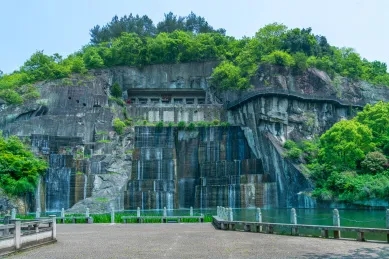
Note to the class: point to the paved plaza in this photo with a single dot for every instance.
(192, 241)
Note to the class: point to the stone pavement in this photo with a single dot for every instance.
(191, 240)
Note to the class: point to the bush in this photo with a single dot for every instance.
(159, 125)
(215, 122)
(225, 124)
(181, 125)
(374, 162)
(289, 144)
(116, 91)
(279, 58)
(202, 124)
(191, 126)
(118, 126)
(128, 122)
(294, 153)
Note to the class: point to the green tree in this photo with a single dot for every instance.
(92, 58)
(376, 117)
(297, 40)
(279, 58)
(374, 162)
(128, 50)
(227, 76)
(345, 144)
(269, 38)
(116, 90)
(119, 126)
(19, 169)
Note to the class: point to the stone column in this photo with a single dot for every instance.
(62, 213)
(191, 211)
(6, 222)
(293, 220)
(387, 224)
(336, 222)
(138, 212)
(18, 240)
(38, 213)
(87, 213)
(54, 226)
(259, 219)
(112, 215)
(13, 213)
(230, 215)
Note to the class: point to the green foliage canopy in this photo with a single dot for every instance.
(19, 169)
(345, 143)
(349, 162)
(136, 41)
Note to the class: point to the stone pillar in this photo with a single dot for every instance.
(336, 222)
(387, 224)
(6, 222)
(293, 216)
(138, 212)
(17, 234)
(13, 213)
(112, 215)
(54, 226)
(191, 211)
(62, 213)
(293, 220)
(230, 215)
(38, 213)
(164, 212)
(87, 213)
(217, 211)
(259, 219)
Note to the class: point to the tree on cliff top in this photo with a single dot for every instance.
(143, 26)
(19, 168)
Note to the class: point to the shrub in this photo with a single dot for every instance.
(191, 126)
(294, 153)
(119, 126)
(215, 122)
(279, 58)
(225, 124)
(181, 125)
(116, 91)
(289, 144)
(374, 162)
(202, 124)
(128, 122)
(159, 125)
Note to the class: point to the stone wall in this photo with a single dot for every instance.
(202, 168)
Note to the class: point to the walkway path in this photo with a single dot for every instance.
(192, 241)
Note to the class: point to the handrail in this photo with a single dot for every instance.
(282, 92)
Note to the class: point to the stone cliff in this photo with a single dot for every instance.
(93, 166)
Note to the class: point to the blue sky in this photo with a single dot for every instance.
(63, 26)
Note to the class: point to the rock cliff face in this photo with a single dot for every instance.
(92, 166)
